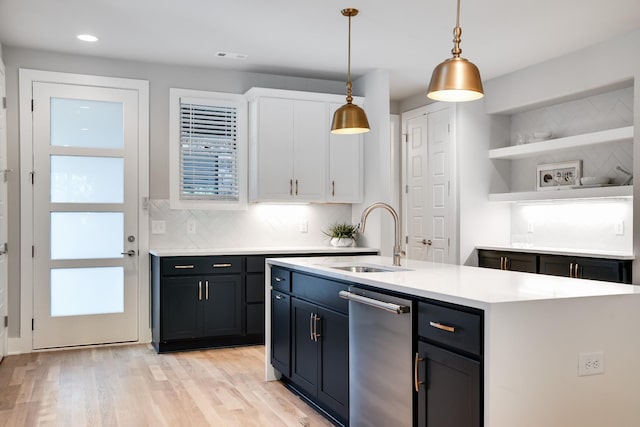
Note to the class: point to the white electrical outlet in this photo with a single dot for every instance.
(303, 226)
(191, 226)
(158, 227)
(591, 363)
(619, 228)
(530, 227)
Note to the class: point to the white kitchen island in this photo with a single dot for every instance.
(535, 328)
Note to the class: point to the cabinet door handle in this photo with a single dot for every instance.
(279, 297)
(442, 327)
(278, 279)
(506, 263)
(225, 265)
(291, 187)
(311, 326)
(315, 327)
(501, 263)
(206, 290)
(571, 270)
(182, 267)
(333, 188)
(296, 187)
(416, 382)
(575, 274)
(200, 290)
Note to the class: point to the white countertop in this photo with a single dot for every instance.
(470, 286)
(260, 251)
(589, 253)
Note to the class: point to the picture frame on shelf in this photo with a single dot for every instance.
(558, 176)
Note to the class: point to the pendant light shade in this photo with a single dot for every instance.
(349, 118)
(456, 79)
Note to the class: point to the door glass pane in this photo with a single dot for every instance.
(84, 123)
(87, 235)
(76, 179)
(82, 291)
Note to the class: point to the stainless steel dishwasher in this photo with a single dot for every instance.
(380, 369)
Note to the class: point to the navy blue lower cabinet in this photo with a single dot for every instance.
(449, 395)
(310, 340)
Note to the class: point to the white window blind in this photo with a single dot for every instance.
(209, 152)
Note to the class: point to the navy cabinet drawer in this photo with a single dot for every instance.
(450, 327)
(189, 266)
(255, 264)
(280, 279)
(320, 291)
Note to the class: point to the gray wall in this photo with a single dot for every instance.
(161, 77)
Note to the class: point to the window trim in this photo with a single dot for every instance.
(207, 97)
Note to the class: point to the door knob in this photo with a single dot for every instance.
(130, 252)
(426, 242)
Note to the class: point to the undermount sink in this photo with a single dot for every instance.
(363, 268)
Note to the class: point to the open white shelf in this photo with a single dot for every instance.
(554, 145)
(618, 191)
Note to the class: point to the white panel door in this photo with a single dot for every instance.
(428, 196)
(85, 184)
(310, 140)
(3, 216)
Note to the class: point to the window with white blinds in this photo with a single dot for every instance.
(209, 150)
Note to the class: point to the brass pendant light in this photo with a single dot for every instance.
(455, 79)
(349, 118)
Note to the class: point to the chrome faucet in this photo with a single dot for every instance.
(396, 247)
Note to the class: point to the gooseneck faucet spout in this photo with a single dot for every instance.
(397, 252)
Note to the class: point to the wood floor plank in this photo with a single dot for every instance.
(133, 386)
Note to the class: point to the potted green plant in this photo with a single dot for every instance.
(342, 234)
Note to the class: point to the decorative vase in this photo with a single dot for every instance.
(342, 242)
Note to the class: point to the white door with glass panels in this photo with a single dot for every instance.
(428, 178)
(3, 217)
(85, 185)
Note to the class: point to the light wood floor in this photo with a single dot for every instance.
(133, 386)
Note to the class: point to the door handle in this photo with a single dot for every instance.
(279, 297)
(426, 242)
(206, 290)
(575, 274)
(296, 187)
(291, 187)
(416, 383)
(311, 326)
(571, 270)
(130, 252)
(199, 290)
(333, 188)
(315, 327)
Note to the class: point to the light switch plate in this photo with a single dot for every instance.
(619, 228)
(191, 226)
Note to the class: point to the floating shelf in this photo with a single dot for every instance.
(618, 191)
(559, 144)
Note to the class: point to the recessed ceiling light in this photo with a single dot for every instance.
(87, 38)
(232, 55)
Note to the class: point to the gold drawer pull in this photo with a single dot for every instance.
(442, 327)
(222, 265)
(182, 267)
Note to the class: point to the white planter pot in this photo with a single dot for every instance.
(342, 243)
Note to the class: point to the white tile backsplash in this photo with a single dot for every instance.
(262, 225)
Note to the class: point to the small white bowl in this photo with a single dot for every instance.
(594, 180)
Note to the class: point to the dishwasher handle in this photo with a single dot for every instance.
(387, 306)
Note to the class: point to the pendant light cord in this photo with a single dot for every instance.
(457, 33)
(349, 97)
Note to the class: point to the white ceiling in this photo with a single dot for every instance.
(309, 38)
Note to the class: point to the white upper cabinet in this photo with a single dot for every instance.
(345, 166)
(293, 155)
